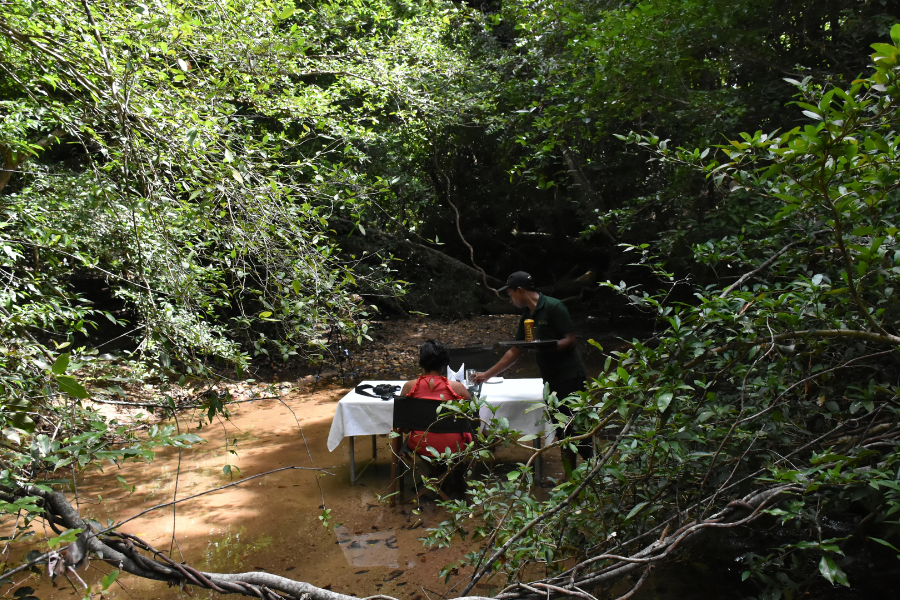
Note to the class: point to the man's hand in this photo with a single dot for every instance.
(511, 356)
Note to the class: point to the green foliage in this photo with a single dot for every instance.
(207, 170)
(567, 75)
(193, 163)
(770, 400)
(240, 176)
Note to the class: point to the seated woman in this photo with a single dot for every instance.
(432, 385)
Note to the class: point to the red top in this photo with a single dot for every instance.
(441, 391)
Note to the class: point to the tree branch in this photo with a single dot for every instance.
(463, 238)
(868, 336)
(758, 269)
(585, 184)
(458, 264)
(597, 468)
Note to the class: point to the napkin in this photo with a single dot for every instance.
(457, 375)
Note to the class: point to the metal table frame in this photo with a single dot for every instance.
(536, 443)
(354, 476)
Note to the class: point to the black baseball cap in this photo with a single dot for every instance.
(519, 279)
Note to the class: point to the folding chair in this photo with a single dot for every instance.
(420, 414)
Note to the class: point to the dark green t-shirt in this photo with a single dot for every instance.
(552, 322)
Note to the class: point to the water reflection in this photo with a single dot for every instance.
(377, 549)
(227, 550)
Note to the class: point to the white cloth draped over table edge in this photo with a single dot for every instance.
(360, 415)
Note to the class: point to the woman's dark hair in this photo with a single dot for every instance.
(433, 355)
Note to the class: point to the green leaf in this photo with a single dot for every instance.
(833, 573)
(884, 543)
(21, 421)
(70, 386)
(705, 415)
(663, 401)
(68, 536)
(286, 13)
(635, 510)
(61, 364)
(885, 49)
(109, 578)
(266, 314)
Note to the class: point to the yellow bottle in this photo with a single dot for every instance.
(529, 330)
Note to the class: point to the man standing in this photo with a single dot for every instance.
(561, 366)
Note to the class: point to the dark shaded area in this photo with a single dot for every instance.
(713, 568)
(103, 334)
(718, 69)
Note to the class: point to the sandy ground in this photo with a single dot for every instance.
(272, 523)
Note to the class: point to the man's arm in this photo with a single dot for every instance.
(506, 361)
(566, 342)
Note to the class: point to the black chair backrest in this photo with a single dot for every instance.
(480, 358)
(421, 414)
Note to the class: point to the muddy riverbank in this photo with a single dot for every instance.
(272, 523)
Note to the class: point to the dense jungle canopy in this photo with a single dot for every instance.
(229, 184)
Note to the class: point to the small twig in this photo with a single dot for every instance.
(175, 491)
(758, 269)
(305, 445)
(637, 586)
(183, 406)
(459, 230)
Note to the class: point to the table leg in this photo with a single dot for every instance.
(354, 476)
(395, 454)
(352, 462)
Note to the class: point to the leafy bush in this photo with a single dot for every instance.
(772, 400)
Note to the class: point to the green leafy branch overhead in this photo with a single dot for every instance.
(769, 394)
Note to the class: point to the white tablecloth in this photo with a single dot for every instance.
(361, 415)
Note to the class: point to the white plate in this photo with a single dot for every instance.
(495, 380)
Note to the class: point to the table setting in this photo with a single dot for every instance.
(361, 414)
